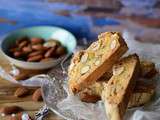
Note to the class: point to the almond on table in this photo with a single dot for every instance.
(89, 65)
(21, 92)
(119, 89)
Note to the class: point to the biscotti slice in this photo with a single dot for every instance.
(93, 93)
(118, 90)
(143, 92)
(148, 69)
(89, 65)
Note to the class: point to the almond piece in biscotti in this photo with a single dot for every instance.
(97, 62)
(118, 70)
(84, 58)
(10, 109)
(21, 92)
(113, 43)
(37, 95)
(85, 69)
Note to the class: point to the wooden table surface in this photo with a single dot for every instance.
(7, 99)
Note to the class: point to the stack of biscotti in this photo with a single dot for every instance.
(143, 92)
(89, 65)
(90, 74)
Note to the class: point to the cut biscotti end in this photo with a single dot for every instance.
(143, 92)
(149, 69)
(120, 87)
(89, 65)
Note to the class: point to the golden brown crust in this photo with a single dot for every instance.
(148, 69)
(143, 86)
(120, 87)
(111, 47)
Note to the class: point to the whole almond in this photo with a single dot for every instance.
(46, 59)
(22, 44)
(21, 92)
(17, 54)
(37, 40)
(60, 50)
(50, 52)
(27, 49)
(52, 43)
(39, 47)
(21, 76)
(35, 53)
(19, 40)
(35, 58)
(37, 95)
(10, 109)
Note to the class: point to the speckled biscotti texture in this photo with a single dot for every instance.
(118, 90)
(148, 69)
(93, 93)
(143, 92)
(89, 65)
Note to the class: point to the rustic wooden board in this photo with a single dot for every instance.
(7, 99)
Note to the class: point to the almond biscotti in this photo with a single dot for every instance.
(118, 90)
(148, 69)
(93, 93)
(89, 65)
(143, 92)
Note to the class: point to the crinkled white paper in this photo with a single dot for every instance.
(58, 99)
(68, 106)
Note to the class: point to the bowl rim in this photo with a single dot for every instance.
(23, 28)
